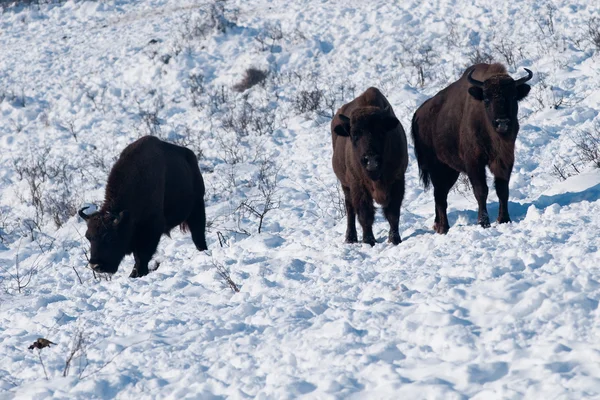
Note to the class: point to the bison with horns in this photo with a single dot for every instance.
(370, 158)
(153, 187)
(467, 126)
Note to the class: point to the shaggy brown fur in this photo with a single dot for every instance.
(464, 128)
(369, 158)
(153, 187)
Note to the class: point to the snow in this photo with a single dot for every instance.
(505, 312)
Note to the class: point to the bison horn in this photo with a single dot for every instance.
(472, 80)
(83, 215)
(525, 78)
(343, 118)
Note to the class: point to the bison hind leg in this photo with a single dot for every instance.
(443, 178)
(196, 223)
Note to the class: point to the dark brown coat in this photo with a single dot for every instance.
(153, 187)
(369, 158)
(467, 126)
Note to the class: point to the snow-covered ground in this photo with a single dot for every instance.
(506, 312)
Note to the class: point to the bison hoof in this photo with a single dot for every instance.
(202, 247)
(441, 228)
(137, 274)
(394, 238)
(503, 219)
(484, 221)
(369, 240)
(351, 239)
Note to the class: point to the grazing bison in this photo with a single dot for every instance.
(464, 128)
(153, 187)
(369, 158)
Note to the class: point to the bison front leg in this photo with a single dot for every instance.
(480, 189)
(366, 214)
(392, 211)
(351, 236)
(502, 192)
(144, 250)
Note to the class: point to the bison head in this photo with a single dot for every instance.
(368, 128)
(500, 95)
(108, 234)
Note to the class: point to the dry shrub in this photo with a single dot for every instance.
(252, 77)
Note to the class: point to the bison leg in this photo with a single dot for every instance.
(502, 192)
(196, 222)
(442, 178)
(366, 214)
(392, 211)
(145, 248)
(351, 236)
(480, 189)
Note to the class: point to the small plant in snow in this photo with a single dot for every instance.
(509, 51)
(17, 278)
(150, 116)
(77, 353)
(190, 138)
(211, 17)
(226, 276)
(269, 36)
(594, 32)
(196, 84)
(562, 172)
(422, 60)
(260, 205)
(545, 21)
(334, 97)
(588, 143)
(463, 186)
(217, 98)
(308, 100)
(479, 55)
(245, 119)
(50, 186)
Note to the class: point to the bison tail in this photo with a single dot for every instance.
(184, 227)
(423, 173)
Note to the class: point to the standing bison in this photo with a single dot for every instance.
(153, 187)
(369, 158)
(464, 128)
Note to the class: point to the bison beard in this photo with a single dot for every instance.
(464, 128)
(369, 159)
(152, 188)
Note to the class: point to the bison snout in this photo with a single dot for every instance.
(371, 163)
(103, 268)
(501, 124)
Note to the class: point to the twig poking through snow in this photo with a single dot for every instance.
(224, 273)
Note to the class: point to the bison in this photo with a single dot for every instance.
(369, 159)
(467, 126)
(153, 187)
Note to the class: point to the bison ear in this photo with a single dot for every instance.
(389, 123)
(343, 128)
(522, 91)
(119, 218)
(476, 92)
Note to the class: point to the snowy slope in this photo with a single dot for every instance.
(506, 312)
